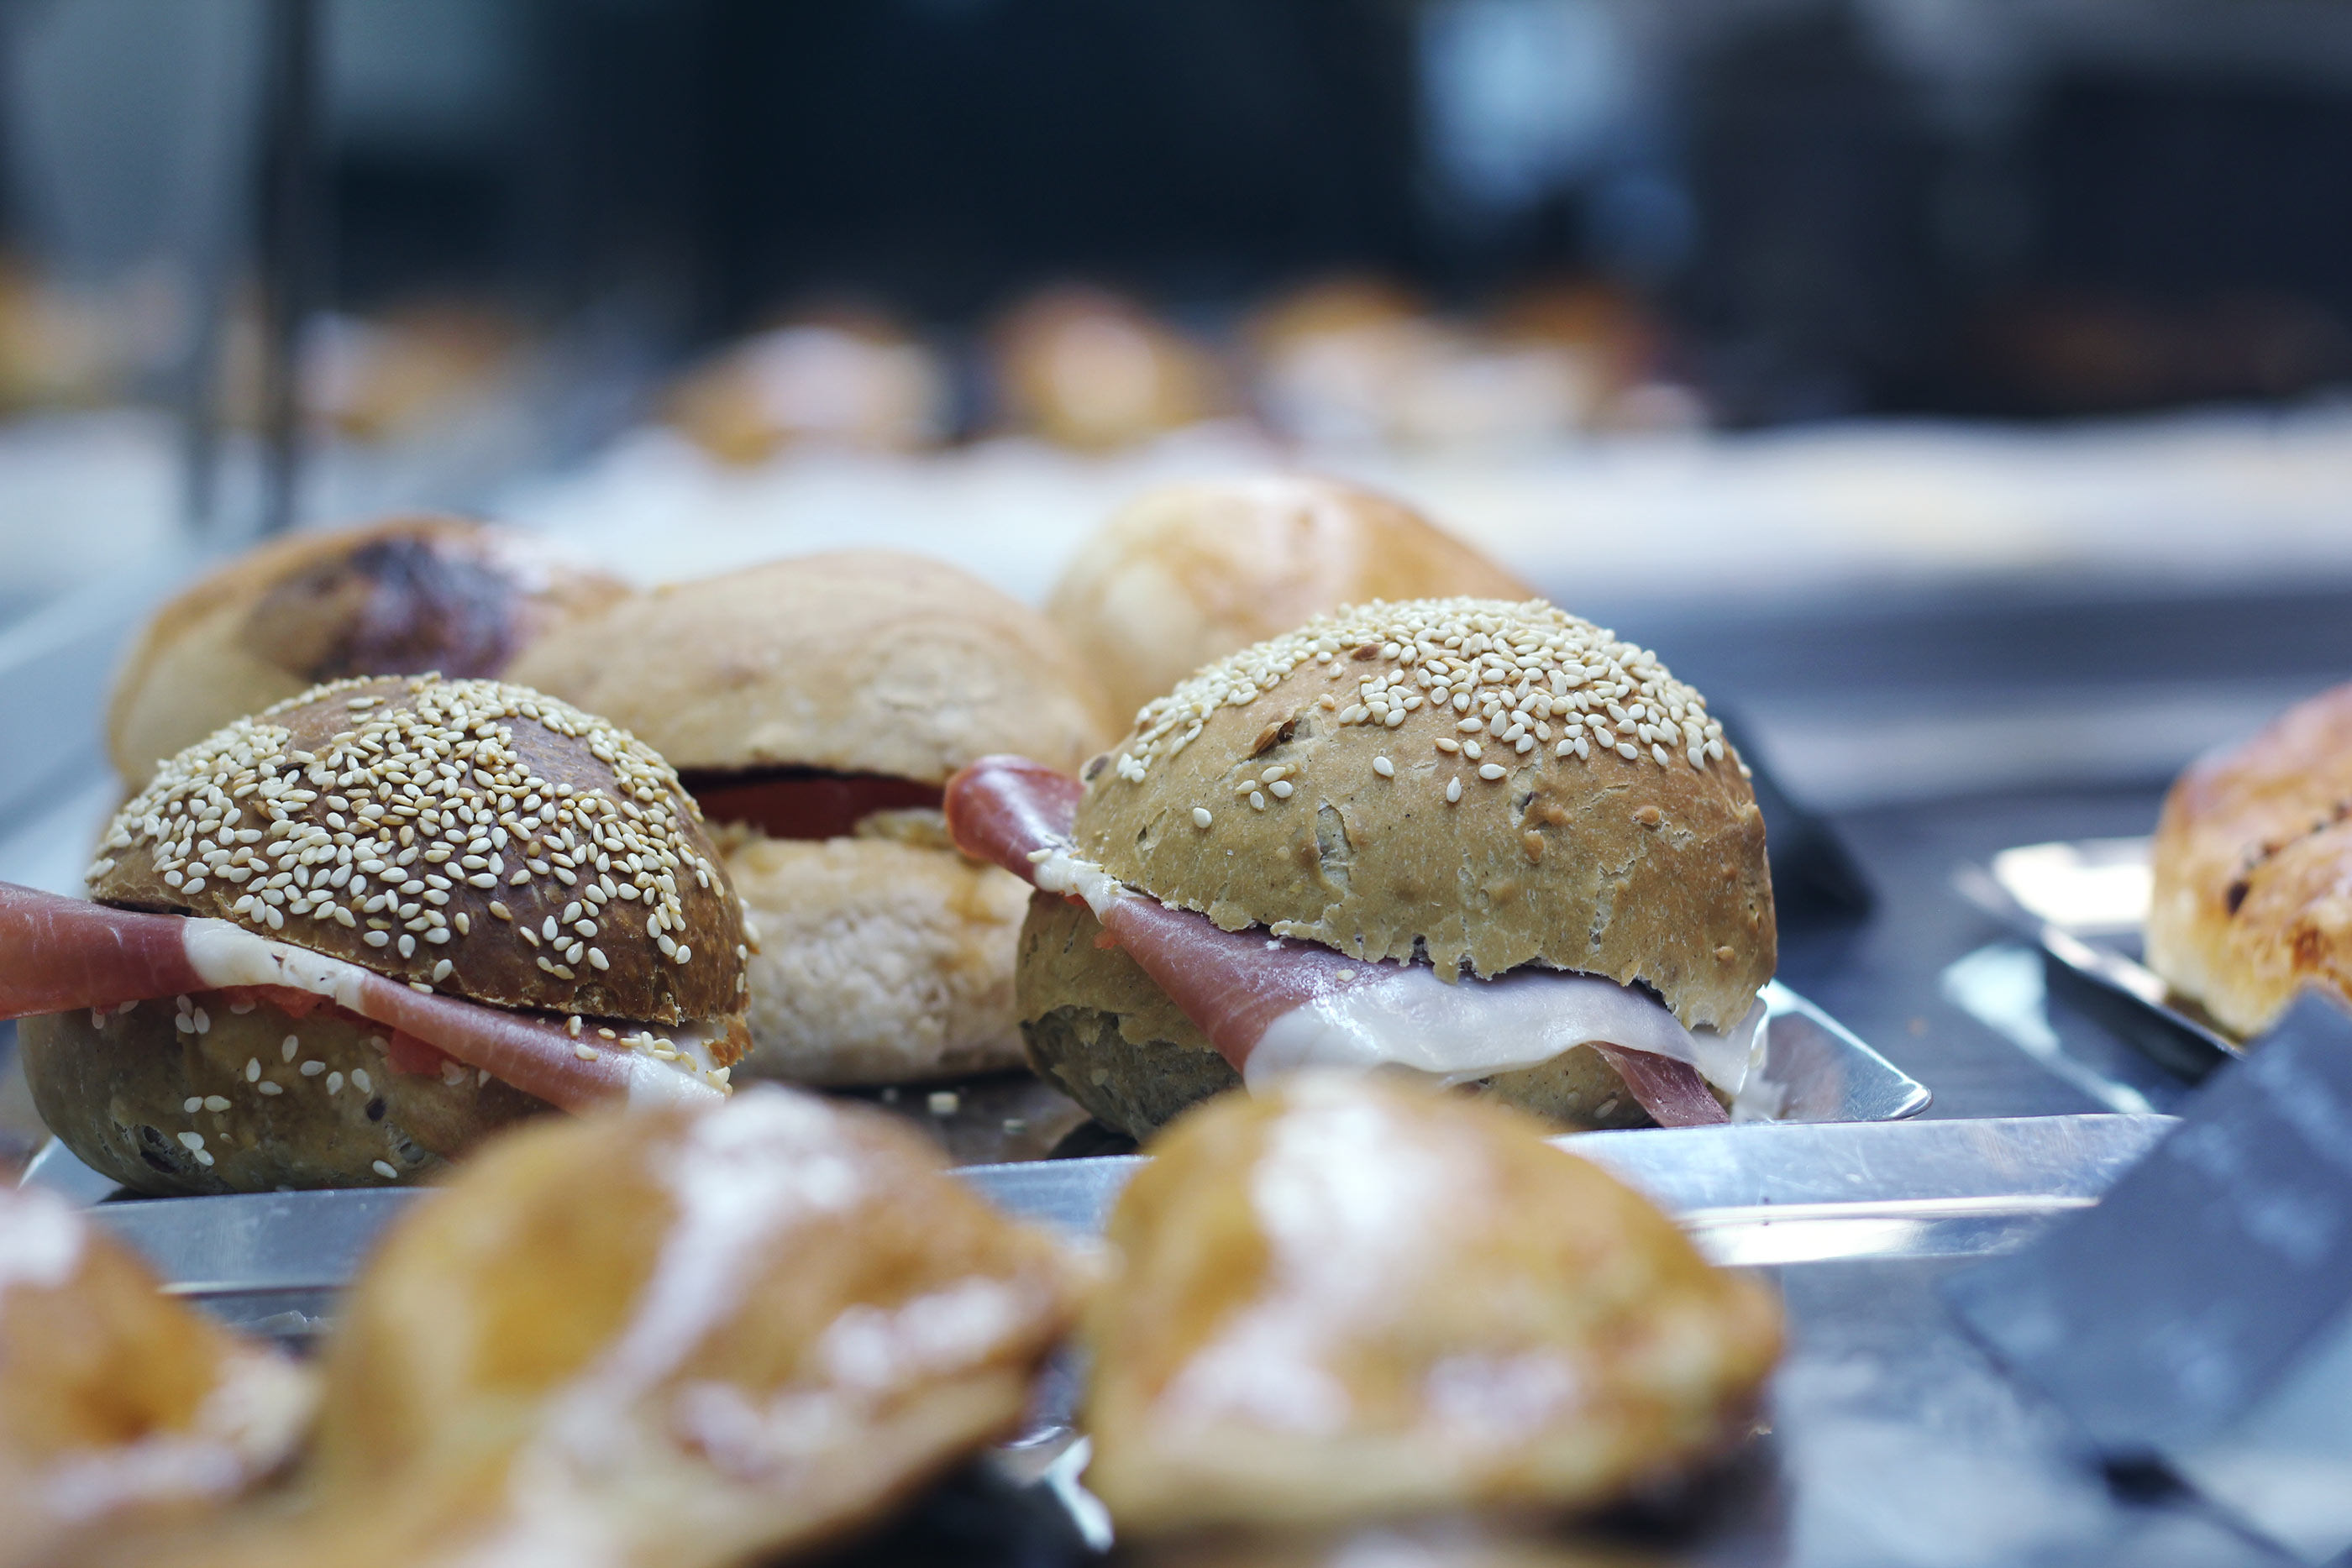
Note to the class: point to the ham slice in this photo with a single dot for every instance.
(58, 955)
(1270, 1005)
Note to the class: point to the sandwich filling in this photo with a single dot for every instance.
(804, 803)
(1272, 1006)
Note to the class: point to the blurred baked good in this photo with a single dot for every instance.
(2250, 856)
(399, 597)
(675, 1337)
(120, 1408)
(836, 380)
(463, 838)
(1188, 572)
(1501, 793)
(815, 707)
(1351, 1299)
(1089, 369)
(390, 375)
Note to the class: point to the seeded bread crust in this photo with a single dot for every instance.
(858, 661)
(522, 753)
(1097, 1026)
(1648, 870)
(879, 962)
(1187, 573)
(115, 1091)
(2250, 863)
(398, 596)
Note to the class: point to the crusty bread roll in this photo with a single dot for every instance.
(477, 839)
(1577, 810)
(852, 683)
(1188, 572)
(839, 379)
(2250, 857)
(1087, 368)
(1350, 1300)
(120, 1408)
(399, 597)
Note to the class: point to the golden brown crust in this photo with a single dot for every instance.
(398, 596)
(1098, 1028)
(1091, 369)
(2252, 900)
(857, 660)
(115, 1089)
(1187, 573)
(879, 962)
(1337, 1302)
(514, 782)
(690, 1337)
(1646, 869)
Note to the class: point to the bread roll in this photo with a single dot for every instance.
(480, 839)
(403, 596)
(2250, 859)
(1350, 1300)
(1087, 368)
(843, 690)
(1187, 573)
(841, 380)
(1324, 786)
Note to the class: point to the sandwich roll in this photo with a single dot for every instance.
(1449, 835)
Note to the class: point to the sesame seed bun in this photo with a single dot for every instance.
(879, 961)
(1187, 573)
(398, 596)
(2249, 864)
(1271, 789)
(855, 661)
(538, 774)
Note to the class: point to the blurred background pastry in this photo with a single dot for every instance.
(1089, 369)
(403, 596)
(815, 707)
(679, 1337)
(1188, 572)
(1335, 1303)
(122, 1409)
(847, 379)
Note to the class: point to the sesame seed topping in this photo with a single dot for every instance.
(334, 1083)
(1201, 818)
(267, 1087)
(1490, 771)
(361, 1081)
(252, 1068)
(1383, 767)
(312, 1069)
(383, 1168)
(1257, 799)
(1281, 788)
(1452, 791)
(288, 1047)
(585, 1051)
(191, 1140)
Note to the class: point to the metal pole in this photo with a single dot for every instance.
(288, 245)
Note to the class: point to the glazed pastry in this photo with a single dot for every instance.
(1187, 573)
(684, 1337)
(814, 708)
(1354, 1300)
(337, 942)
(2249, 861)
(399, 597)
(121, 1409)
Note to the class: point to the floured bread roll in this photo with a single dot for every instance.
(675, 1337)
(1351, 1299)
(120, 1407)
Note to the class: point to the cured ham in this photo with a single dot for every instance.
(58, 955)
(1270, 1005)
(804, 802)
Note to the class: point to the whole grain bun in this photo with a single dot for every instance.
(539, 845)
(1281, 787)
(879, 961)
(2250, 861)
(1098, 1029)
(857, 660)
(115, 1087)
(398, 596)
(1187, 573)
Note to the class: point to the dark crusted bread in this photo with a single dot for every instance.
(393, 598)
(204, 1099)
(2250, 862)
(480, 839)
(1471, 783)
(1098, 1028)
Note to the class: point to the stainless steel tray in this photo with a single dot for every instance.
(2084, 902)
